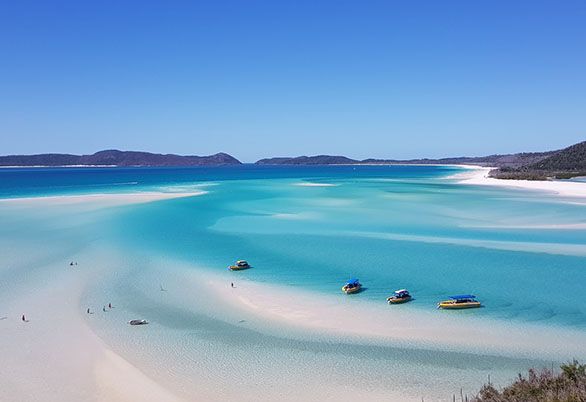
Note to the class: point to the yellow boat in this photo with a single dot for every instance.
(399, 296)
(352, 286)
(240, 265)
(459, 302)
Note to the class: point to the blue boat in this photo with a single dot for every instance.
(352, 286)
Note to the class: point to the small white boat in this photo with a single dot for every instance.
(400, 296)
(138, 322)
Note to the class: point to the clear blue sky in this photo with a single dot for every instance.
(394, 79)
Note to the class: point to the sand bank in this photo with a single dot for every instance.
(101, 199)
(343, 315)
(55, 356)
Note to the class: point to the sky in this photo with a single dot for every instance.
(383, 79)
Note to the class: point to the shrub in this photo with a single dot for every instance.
(541, 386)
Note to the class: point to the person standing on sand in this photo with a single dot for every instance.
(109, 305)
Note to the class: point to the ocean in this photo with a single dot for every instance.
(306, 230)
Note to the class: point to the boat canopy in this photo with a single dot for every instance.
(401, 291)
(462, 297)
(352, 282)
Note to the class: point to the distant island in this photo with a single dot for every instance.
(309, 160)
(561, 164)
(118, 158)
(509, 160)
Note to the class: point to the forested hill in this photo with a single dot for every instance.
(566, 163)
(308, 160)
(570, 159)
(118, 158)
(509, 160)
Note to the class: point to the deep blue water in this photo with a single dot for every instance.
(22, 182)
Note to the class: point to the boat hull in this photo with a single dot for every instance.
(237, 268)
(351, 290)
(399, 300)
(449, 305)
(138, 322)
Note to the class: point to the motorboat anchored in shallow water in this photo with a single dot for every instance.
(459, 302)
(400, 296)
(352, 286)
(138, 322)
(240, 265)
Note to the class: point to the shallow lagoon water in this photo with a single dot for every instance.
(428, 234)
(308, 228)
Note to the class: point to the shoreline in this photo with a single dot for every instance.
(478, 175)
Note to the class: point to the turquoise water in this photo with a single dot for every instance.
(522, 253)
(390, 226)
(435, 238)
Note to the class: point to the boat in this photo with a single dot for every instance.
(240, 264)
(138, 322)
(459, 302)
(352, 286)
(399, 296)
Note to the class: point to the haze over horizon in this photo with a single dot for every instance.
(260, 79)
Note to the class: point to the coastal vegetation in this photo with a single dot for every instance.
(569, 385)
(563, 164)
(560, 164)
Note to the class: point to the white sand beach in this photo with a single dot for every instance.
(54, 355)
(342, 316)
(478, 176)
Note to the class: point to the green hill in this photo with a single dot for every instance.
(563, 164)
(571, 159)
(114, 157)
